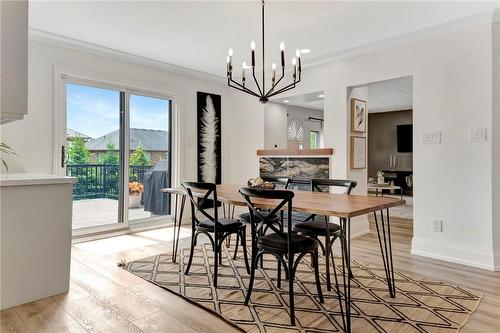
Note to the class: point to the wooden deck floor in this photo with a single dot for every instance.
(101, 211)
(105, 298)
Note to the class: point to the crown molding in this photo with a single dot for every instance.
(441, 29)
(78, 45)
(489, 17)
(496, 16)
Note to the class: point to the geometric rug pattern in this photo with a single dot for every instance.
(420, 305)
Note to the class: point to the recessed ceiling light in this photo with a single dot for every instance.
(305, 51)
(321, 95)
(286, 101)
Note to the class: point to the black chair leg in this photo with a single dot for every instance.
(278, 274)
(315, 259)
(327, 267)
(252, 277)
(236, 246)
(216, 262)
(193, 244)
(323, 250)
(290, 291)
(244, 246)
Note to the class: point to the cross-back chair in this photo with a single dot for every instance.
(215, 228)
(277, 242)
(319, 226)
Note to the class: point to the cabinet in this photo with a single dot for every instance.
(35, 230)
(13, 60)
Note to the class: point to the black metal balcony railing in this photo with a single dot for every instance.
(101, 180)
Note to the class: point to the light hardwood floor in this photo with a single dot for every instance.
(105, 298)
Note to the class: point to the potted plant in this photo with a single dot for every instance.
(135, 190)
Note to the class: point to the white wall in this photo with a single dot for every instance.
(451, 68)
(359, 225)
(495, 140)
(32, 138)
(275, 126)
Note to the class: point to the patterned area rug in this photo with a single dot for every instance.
(420, 305)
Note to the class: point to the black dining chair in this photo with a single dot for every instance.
(278, 243)
(278, 181)
(319, 226)
(301, 185)
(200, 195)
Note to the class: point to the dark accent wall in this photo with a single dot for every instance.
(382, 141)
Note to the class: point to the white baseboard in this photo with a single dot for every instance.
(361, 233)
(451, 253)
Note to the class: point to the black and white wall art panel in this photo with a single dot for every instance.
(209, 137)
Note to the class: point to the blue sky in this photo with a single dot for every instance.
(95, 112)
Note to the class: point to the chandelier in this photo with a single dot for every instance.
(261, 92)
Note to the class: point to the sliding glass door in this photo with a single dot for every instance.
(117, 144)
(149, 157)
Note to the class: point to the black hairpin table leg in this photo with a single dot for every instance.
(345, 229)
(385, 243)
(177, 224)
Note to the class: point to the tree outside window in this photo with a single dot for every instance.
(313, 139)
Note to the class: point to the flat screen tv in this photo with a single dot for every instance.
(405, 138)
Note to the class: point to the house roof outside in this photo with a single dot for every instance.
(151, 140)
(71, 133)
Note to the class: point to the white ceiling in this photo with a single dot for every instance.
(390, 95)
(196, 35)
(309, 101)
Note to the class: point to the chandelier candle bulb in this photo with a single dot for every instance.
(252, 46)
(282, 48)
(230, 57)
(261, 93)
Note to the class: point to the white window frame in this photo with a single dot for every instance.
(63, 75)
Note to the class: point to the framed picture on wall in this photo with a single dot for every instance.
(358, 152)
(358, 115)
(209, 137)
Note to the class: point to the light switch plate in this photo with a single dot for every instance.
(437, 225)
(432, 138)
(477, 134)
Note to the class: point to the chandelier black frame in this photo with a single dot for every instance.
(273, 91)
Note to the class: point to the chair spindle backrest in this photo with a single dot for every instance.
(200, 194)
(284, 197)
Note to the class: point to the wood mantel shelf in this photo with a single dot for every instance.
(296, 152)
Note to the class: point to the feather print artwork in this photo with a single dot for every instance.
(295, 130)
(208, 140)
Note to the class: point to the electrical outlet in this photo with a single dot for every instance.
(432, 138)
(437, 225)
(477, 134)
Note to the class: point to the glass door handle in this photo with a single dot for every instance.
(64, 156)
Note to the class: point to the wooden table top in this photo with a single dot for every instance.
(339, 205)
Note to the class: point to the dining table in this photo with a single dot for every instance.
(345, 207)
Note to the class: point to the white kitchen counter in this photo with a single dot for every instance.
(22, 179)
(35, 246)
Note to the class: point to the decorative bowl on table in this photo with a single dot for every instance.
(259, 183)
